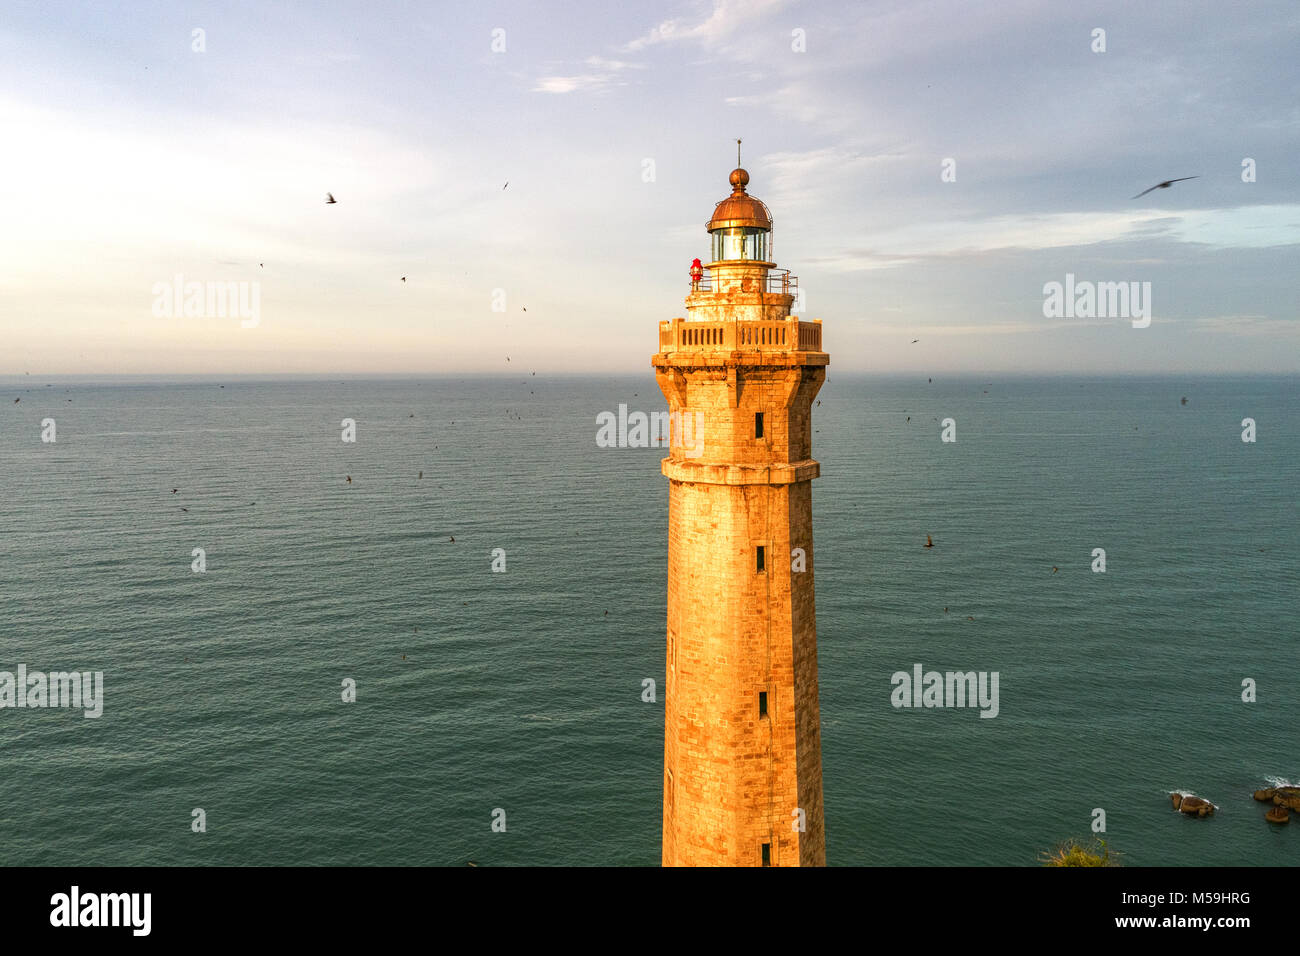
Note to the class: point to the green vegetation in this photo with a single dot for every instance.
(1074, 853)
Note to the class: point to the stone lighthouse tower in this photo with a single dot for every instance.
(742, 729)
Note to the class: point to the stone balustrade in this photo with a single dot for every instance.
(740, 335)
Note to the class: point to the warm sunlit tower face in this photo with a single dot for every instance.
(742, 739)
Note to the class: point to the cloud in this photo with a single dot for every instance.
(605, 74)
(570, 84)
(600, 63)
(1247, 325)
(725, 19)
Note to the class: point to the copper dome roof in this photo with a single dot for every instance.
(740, 208)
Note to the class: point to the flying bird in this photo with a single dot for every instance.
(914, 341)
(349, 479)
(1183, 401)
(503, 188)
(403, 278)
(329, 197)
(1165, 185)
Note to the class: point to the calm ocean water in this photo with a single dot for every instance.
(522, 690)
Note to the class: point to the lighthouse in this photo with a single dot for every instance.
(742, 730)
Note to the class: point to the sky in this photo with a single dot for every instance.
(931, 168)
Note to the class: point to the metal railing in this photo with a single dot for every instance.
(776, 281)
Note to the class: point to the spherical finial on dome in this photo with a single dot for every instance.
(740, 209)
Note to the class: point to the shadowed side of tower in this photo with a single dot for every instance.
(742, 739)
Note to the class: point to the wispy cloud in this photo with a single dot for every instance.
(602, 73)
(1248, 325)
(726, 18)
(570, 84)
(955, 239)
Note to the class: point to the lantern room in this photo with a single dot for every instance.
(741, 226)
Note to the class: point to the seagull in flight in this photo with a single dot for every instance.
(1165, 185)
(329, 197)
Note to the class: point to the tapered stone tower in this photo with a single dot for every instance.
(742, 727)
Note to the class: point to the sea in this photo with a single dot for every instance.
(502, 717)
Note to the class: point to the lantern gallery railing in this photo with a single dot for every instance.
(778, 281)
(739, 335)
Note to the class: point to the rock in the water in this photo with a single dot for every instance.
(1195, 806)
(1265, 796)
(1178, 799)
(1278, 814)
(1287, 797)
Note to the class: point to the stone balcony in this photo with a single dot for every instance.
(783, 342)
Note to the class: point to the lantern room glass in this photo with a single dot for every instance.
(740, 242)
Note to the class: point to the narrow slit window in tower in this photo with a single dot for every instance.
(767, 854)
(762, 703)
(758, 424)
(761, 560)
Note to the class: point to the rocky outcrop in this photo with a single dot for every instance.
(1288, 797)
(1192, 806)
(1278, 814)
